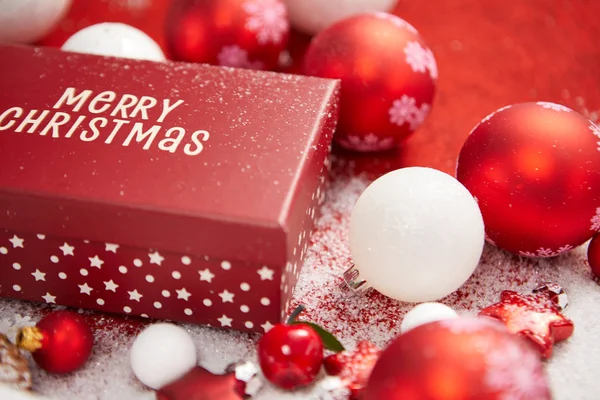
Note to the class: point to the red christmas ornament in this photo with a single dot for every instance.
(535, 171)
(353, 367)
(60, 343)
(593, 255)
(460, 359)
(233, 33)
(388, 78)
(535, 317)
(290, 355)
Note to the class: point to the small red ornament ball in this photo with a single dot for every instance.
(463, 358)
(593, 255)
(60, 343)
(388, 77)
(290, 356)
(233, 33)
(535, 170)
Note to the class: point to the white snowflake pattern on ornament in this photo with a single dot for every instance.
(514, 373)
(405, 111)
(544, 252)
(416, 56)
(596, 220)
(431, 64)
(553, 106)
(596, 131)
(235, 56)
(399, 22)
(11, 326)
(370, 142)
(267, 18)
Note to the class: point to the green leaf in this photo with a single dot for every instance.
(329, 341)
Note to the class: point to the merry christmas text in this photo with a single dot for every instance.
(106, 117)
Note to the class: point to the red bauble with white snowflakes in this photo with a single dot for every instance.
(463, 358)
(388, 77)
(593, 256)
(535, 171)
(233, 33)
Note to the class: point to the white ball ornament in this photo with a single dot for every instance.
(416, 235)
(425, 313)
(312, 16)
(116, 40)
(161, 354)
(27, 21)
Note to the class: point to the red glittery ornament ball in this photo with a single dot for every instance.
(233, 33)
(535, 171)
(464, 358)
(60, 343)
(593, 255)
(388, 77)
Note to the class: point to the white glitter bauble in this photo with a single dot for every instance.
(26, 21)
(116, 40)
(161, 354)
(416, 235)
(425, 313)
(312, 16)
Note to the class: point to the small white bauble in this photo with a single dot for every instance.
(26, 21)
(116, 40)
(161, 354)
(425, 313)
(416, 235)
(312, 16)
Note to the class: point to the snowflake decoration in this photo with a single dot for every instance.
(544, 252)
(268, 19)
(405, 111)
(553, 106)
(399, 22)
(596, 220)
(370, 142)
(10, 327)
(431, 64)
(235, 56)
(416, 56)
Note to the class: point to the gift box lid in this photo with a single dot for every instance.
(182, 157)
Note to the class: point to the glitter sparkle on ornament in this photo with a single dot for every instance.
(553, 106)
(268, 19)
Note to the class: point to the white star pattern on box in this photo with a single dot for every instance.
(225, 321)
(267, 19)
(111, 247)
(85, 288)
(265, 273)
(156, 258)
(110, 285)
(95, 262)
(16, 242)
(38, 275)
(49, 298)
(67, 249)
(135, 295)
(420, 59)
(226, 296)
(235, 56)
(267, 326)
(405, 111)
(183, 294)
(553, 106)
(370, 142)
(206, 275)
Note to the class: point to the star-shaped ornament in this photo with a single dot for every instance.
(536, 317)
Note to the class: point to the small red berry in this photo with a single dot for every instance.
(353, 368)
(290, 356)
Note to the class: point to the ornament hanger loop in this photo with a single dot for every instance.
(353, 282)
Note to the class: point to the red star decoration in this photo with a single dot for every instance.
(201, 384)
(353, 368)
(535, 317)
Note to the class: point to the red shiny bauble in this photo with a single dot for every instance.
(464, 358)
(534, 169)
(290, 356)
(388, 78)
(593, 255)
(60, 343)
(233, 33)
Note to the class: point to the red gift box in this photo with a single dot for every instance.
(167, 190)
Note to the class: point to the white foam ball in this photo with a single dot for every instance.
(26, 21)
(312, 16)
(425, 313)
(116, 40)
(161, 354)
(416, 234)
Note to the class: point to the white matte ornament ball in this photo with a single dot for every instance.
(425, 313)
(312, 16)
(115, 40)
(416, 234)
(27, 21)
(161, 354)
